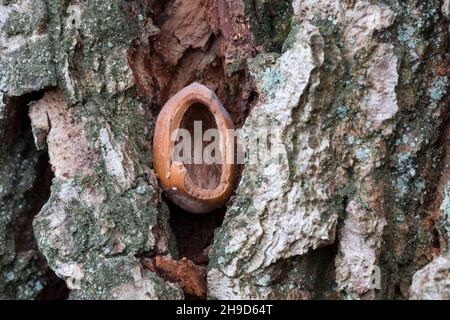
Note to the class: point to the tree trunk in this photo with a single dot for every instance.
(354, 93)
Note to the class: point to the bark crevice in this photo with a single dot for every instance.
(30, 190)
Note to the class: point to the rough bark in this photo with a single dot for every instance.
(356, 90)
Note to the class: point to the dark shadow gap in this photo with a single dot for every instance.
(194, 234)
(325, 271)
(19, 132)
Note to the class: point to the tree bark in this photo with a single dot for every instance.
(354, 92)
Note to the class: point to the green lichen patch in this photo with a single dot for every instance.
(270, 22)
(122, 278)
(29, 68)
(17, 23)
(26, 22)
(439, 88)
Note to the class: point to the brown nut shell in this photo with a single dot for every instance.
(192, 186)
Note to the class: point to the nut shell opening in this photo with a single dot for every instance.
(197, 188)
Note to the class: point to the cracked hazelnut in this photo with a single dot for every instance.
(195, 187)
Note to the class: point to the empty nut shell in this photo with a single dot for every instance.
(198, 187)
